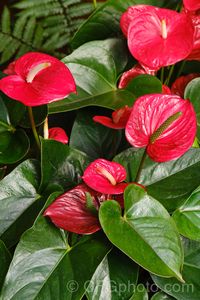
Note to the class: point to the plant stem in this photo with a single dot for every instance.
(95, 4)
(181, 68)
(141, 166)
(46, 129)
(162, 75)
(30, 113)
(169, 75)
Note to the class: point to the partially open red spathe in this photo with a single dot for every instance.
(58, 134)
(153, 31)
(164, 124)
(39, 79)
(105, 177)
(118, 120)
(69, 211)
(179, 85)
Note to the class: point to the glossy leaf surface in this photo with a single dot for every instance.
(147, 224)
(49, 268)
(95, 67)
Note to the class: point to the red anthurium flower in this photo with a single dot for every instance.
(118, 120)
(10, 70)
(39, 79)
(69, 211)
(164, 124)
(132, 73)
(105, 177)
(191, 4)
(195, 53)
(179, 85)
(58, 134)
(152, 33)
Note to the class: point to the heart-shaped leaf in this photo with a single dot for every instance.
(62, 166)
(145, 232)
(190, 290)
(187, 216)
(92, 138)
(45, 267)
(95, 67)
(106, 282)
(169, 182)
(19, 201)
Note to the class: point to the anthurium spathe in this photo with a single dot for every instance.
(195, 53)
(39, 79)
(118, 120)
(69, 211)
(58, 134)
(191, 5)
(164, 124)
(155, 35)
(105, 177)
(179, 85)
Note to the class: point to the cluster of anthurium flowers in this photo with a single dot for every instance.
(164, 124)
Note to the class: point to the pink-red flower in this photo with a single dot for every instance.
(191, 5)
(10, 70)
(132, 73)
(164, 124)
(117, 121)
(179, 85)
(39, 79)
(105, 177)
(58, 134)
(195, 53)
(157, 37)
(69, 211)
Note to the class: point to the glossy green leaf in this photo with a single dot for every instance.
(95, 67)
(15, 109)
(114, 279)
(145, 232)
(169, 182)
(104, 22)
(187, 216)
(45, 267)
(19, 201)
(5, 259)
(5, 124)
(62, 166)
(140, 293)
(94, 139)
(144, 84)
(161, 296)
(13, 146)
(192, 93)
(39, 113)
(190, 290)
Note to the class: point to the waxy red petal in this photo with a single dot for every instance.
(132, 73)
(149, 113)
(118, 120)
(191, 4)
(50, 84)
(128, 16)
(147, 45)
(195, 53)
(58, 134)
(179, 85)
(69, 211)
(166, 89)
(10, 70)
(98, 182)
